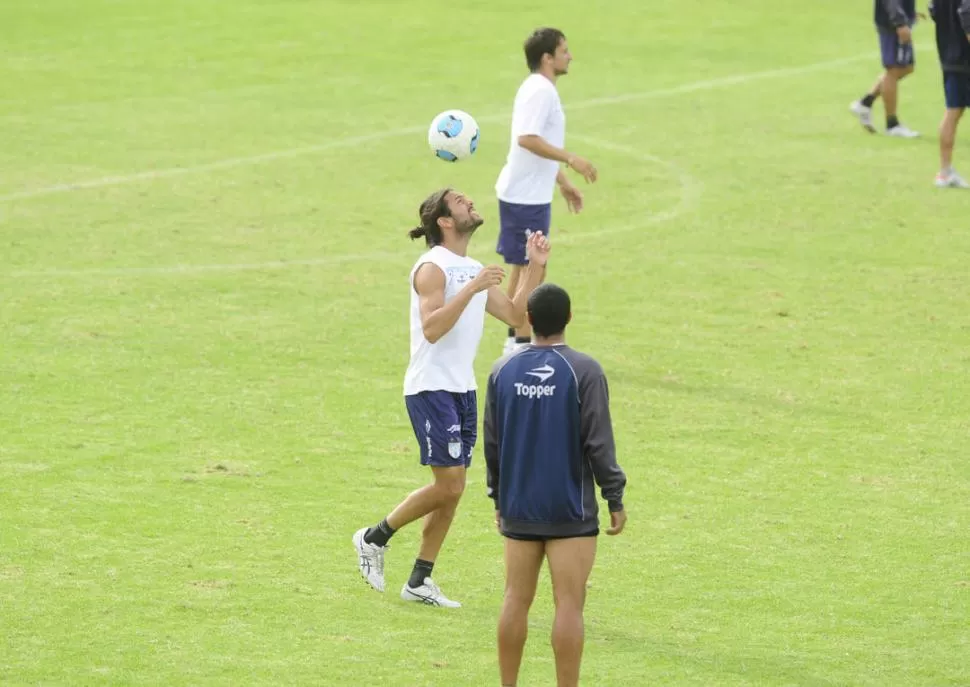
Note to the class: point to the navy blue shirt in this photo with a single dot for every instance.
(548, 438)
(952, 19)
(891, 14)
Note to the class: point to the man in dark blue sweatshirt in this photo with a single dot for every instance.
(548, 443)
(894, 20)
(952, 19)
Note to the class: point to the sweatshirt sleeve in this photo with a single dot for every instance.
(894, 9)
(963, 11)
(491, 441)
(596, 432)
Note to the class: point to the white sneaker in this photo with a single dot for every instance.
(370, 560)
(902, 131)
(950, 179)
(428, 593)
(864, 114)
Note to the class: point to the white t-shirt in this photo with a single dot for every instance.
(526, 178)
(448, 364)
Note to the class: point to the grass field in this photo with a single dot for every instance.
(203, 337)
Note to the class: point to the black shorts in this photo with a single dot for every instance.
(543, 537)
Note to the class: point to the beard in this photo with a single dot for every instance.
(469, 226)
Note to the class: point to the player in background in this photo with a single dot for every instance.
(952, 18)
(527, 182)
(548, 437)
(894, 21)
(450, 294)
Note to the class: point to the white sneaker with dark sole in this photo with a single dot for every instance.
(864, 114)
(902, 131)
(370, 560)
(428, 594)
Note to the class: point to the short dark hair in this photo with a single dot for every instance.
(549, 310)
(541, 42)
(432, 208)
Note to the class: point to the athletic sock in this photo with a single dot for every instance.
(379, 534)
(892, 121)
(422, 569)
(868, 100)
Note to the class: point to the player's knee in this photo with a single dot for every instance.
(570, 600)
(451, 489)
(519, 598)
(897, 73)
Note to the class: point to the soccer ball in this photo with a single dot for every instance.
(453, 135)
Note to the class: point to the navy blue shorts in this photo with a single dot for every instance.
(445, 425)
(540, 537)
(515, 223)
(894, 53)
(956, 88)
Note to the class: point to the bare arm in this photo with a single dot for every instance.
(539, 146)
(438, 317)
(512, 310)
(562, 179)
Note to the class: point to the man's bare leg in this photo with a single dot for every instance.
(444, 492)
(570, 563)
(948, 134)
(438, 521)
(523, 560)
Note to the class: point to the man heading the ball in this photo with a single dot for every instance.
(450, 294)
(532, 169)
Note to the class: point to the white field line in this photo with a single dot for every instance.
(690, 187)
(230, 163)
(689, 191)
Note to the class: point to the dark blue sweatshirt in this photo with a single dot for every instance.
(548, 437)
(952, 19)
(891, 14)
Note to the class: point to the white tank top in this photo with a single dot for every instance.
(448, 364)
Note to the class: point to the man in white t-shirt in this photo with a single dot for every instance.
(450, 294)
(526, 183)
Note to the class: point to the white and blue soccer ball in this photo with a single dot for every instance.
(453, 135)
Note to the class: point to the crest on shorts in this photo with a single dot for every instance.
(454, 449)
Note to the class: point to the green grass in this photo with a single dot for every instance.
(190, 433)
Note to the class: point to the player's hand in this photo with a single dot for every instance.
(573, 196)
(617, 522)
(904, 34)
(584, 167)
(537, 249)
(498, 521)
(487, 278)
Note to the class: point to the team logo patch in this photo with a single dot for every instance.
(454, 449)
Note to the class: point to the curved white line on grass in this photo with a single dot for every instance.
(191, 269)
(687, 196)
(229, 163)
(690, 190)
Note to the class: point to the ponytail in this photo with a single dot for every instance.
(433, 208)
